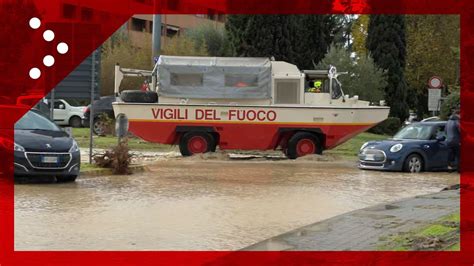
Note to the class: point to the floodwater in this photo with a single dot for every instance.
(197, 204)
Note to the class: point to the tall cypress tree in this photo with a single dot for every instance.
(311, 38)
(299, 39)
(387, 46)
(259, 35)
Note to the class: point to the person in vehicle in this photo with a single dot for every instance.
(145, 86)
(315, 86)
(453, 138)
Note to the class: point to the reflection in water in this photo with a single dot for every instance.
(202, 205)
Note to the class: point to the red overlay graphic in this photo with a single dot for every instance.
(37, 54)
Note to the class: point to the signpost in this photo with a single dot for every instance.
(435, 82)
(434, 94)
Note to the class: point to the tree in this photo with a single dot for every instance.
(343, 30)
(281, 36)
(309, 44)
(451, 102)
(259, 35)
(184, 46)
(364, 78)
(387, 46)
(359, 35)
(432, 49)
(120, 50)
(211, 37)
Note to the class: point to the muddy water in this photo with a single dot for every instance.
(202, 204)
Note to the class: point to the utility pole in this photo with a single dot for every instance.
(156, 45)
(51, 105)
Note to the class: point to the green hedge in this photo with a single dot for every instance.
(452, 101)
(389, 126)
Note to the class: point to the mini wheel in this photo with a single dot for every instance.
(301, 144)
(195, 142)
(413, 163)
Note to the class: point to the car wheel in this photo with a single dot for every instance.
(301, 144)
(413, 164)
(75, 121)
(195, 142)
(66, 179)
(99, 127)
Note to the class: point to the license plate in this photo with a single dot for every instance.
(49, 159)
(369, 157)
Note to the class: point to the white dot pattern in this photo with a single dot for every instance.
(62, 48)
(35, 73)
(48, 35)
(35, 23)
(48, 60)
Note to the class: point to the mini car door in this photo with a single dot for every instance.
(439, 150)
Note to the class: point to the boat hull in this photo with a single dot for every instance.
(249, 127)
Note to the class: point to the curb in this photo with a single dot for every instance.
(107, 171)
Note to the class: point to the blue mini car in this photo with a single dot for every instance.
(415, 148)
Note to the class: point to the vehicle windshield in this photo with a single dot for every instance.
(416, 131)
(34, 121)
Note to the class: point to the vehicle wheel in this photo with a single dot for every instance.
(66, 179)
(301, 144)
(195, 142)
(413, 164)
(75, 121)
(136, 96)
(99, 127)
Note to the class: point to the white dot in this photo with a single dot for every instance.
(48, 35)
(48, 60)
(35, 23)
(35, 73)
(62, 48)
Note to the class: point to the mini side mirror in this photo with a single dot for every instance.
(441, 138)
(61, 106)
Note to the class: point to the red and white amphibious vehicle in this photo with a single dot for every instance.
(242, 103)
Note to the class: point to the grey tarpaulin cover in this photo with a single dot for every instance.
(214, 77)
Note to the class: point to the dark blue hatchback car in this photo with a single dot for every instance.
(42, 149)
(415, 148)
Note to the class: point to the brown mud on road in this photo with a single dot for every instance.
(203, 203)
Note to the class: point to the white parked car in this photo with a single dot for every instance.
(68, 115)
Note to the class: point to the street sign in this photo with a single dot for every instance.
(435, 82)
(434, 97)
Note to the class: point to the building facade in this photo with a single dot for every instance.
(140, 27)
